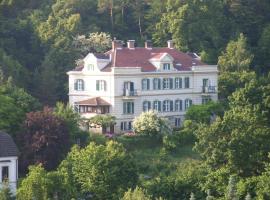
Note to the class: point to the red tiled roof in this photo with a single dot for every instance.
(140, 56)
(96, 101)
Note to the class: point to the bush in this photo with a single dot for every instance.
(148, 123)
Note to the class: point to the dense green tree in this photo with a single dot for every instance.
(228, 82)
(204, 113)
(104, 171)
(238, 141)
(236, 57)
(72, 119)
(35, 185)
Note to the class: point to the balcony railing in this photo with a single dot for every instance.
(209, 89)
(129, 93)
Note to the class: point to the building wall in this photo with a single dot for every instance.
(12, 164)
(115, 85)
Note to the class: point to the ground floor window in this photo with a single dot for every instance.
(5, 174)
(177, 122)
(126, 126)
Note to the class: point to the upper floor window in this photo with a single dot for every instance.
(156, 84)
(146, 106)
(178, 105)
(146, 84)
(166, 66)
(79, 85)
(167, 106)
(101, 85)
(128, 107)
(167, 83)
(157, 106)
(187, 85)
(178, 83)
(188, 103)
(90, 67)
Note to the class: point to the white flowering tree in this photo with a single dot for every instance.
(148, 123)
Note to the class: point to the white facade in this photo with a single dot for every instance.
(195, 84)
(9, 172)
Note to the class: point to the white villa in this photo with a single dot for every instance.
(127, 81)
(8, 162)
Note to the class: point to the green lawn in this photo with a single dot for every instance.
(150, 157)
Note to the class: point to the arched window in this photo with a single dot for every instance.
(188, 103)
(167, 106)
(178, 83)
(146, 106)
(79, 85)
(178, 105)
(157, 106)
(145, 84)
(156, 84)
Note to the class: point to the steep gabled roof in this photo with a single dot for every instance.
(7, 146)
(96, 101)
(139, 57)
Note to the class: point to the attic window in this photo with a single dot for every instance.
(178, 64)
(90, 67)
(166, 66)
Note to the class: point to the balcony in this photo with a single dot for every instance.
(129, 93)
(209, 89)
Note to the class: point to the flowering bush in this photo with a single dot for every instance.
(130, 134)
(148, 123)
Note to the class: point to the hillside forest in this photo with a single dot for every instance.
(221, 152)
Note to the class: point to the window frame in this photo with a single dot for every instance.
(156, 84)
(145, 84)
(188, 103)
(166, 66)
(101, 85)
(128, 108)
(178, 84)
(178, 105)
(157, 104)
(146, 106)
(79, 85)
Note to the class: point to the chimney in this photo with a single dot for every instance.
(170, 44)
(131, 44)
(148, 44)
(116, 44)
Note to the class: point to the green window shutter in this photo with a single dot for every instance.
(171, 83)
(76, 85)
(97, 85)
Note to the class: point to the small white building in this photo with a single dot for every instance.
(8, 162)
(127, 81)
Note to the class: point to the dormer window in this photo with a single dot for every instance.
(79, 85)
(90, 67)
(166, 66)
